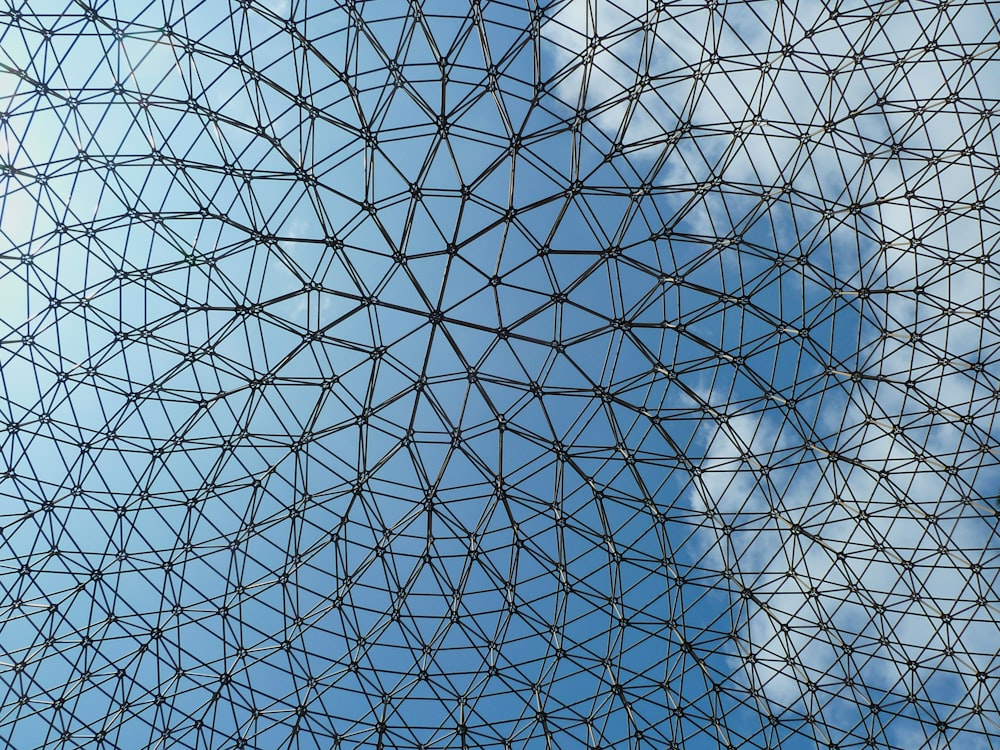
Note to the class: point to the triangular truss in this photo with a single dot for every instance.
(446, 374)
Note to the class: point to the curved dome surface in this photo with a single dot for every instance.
(577, 374)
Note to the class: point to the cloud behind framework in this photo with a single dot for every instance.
(855, 550)
(584, 374)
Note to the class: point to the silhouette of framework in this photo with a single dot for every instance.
(499, 375)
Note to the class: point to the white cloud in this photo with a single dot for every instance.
(851, 573)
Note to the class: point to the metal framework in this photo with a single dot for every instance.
(573, 374)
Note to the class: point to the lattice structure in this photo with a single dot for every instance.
(444, 374)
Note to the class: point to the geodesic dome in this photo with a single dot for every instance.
(577, 374)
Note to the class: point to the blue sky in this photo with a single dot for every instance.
(213, 350)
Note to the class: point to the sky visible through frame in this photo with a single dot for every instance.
(683, 344)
